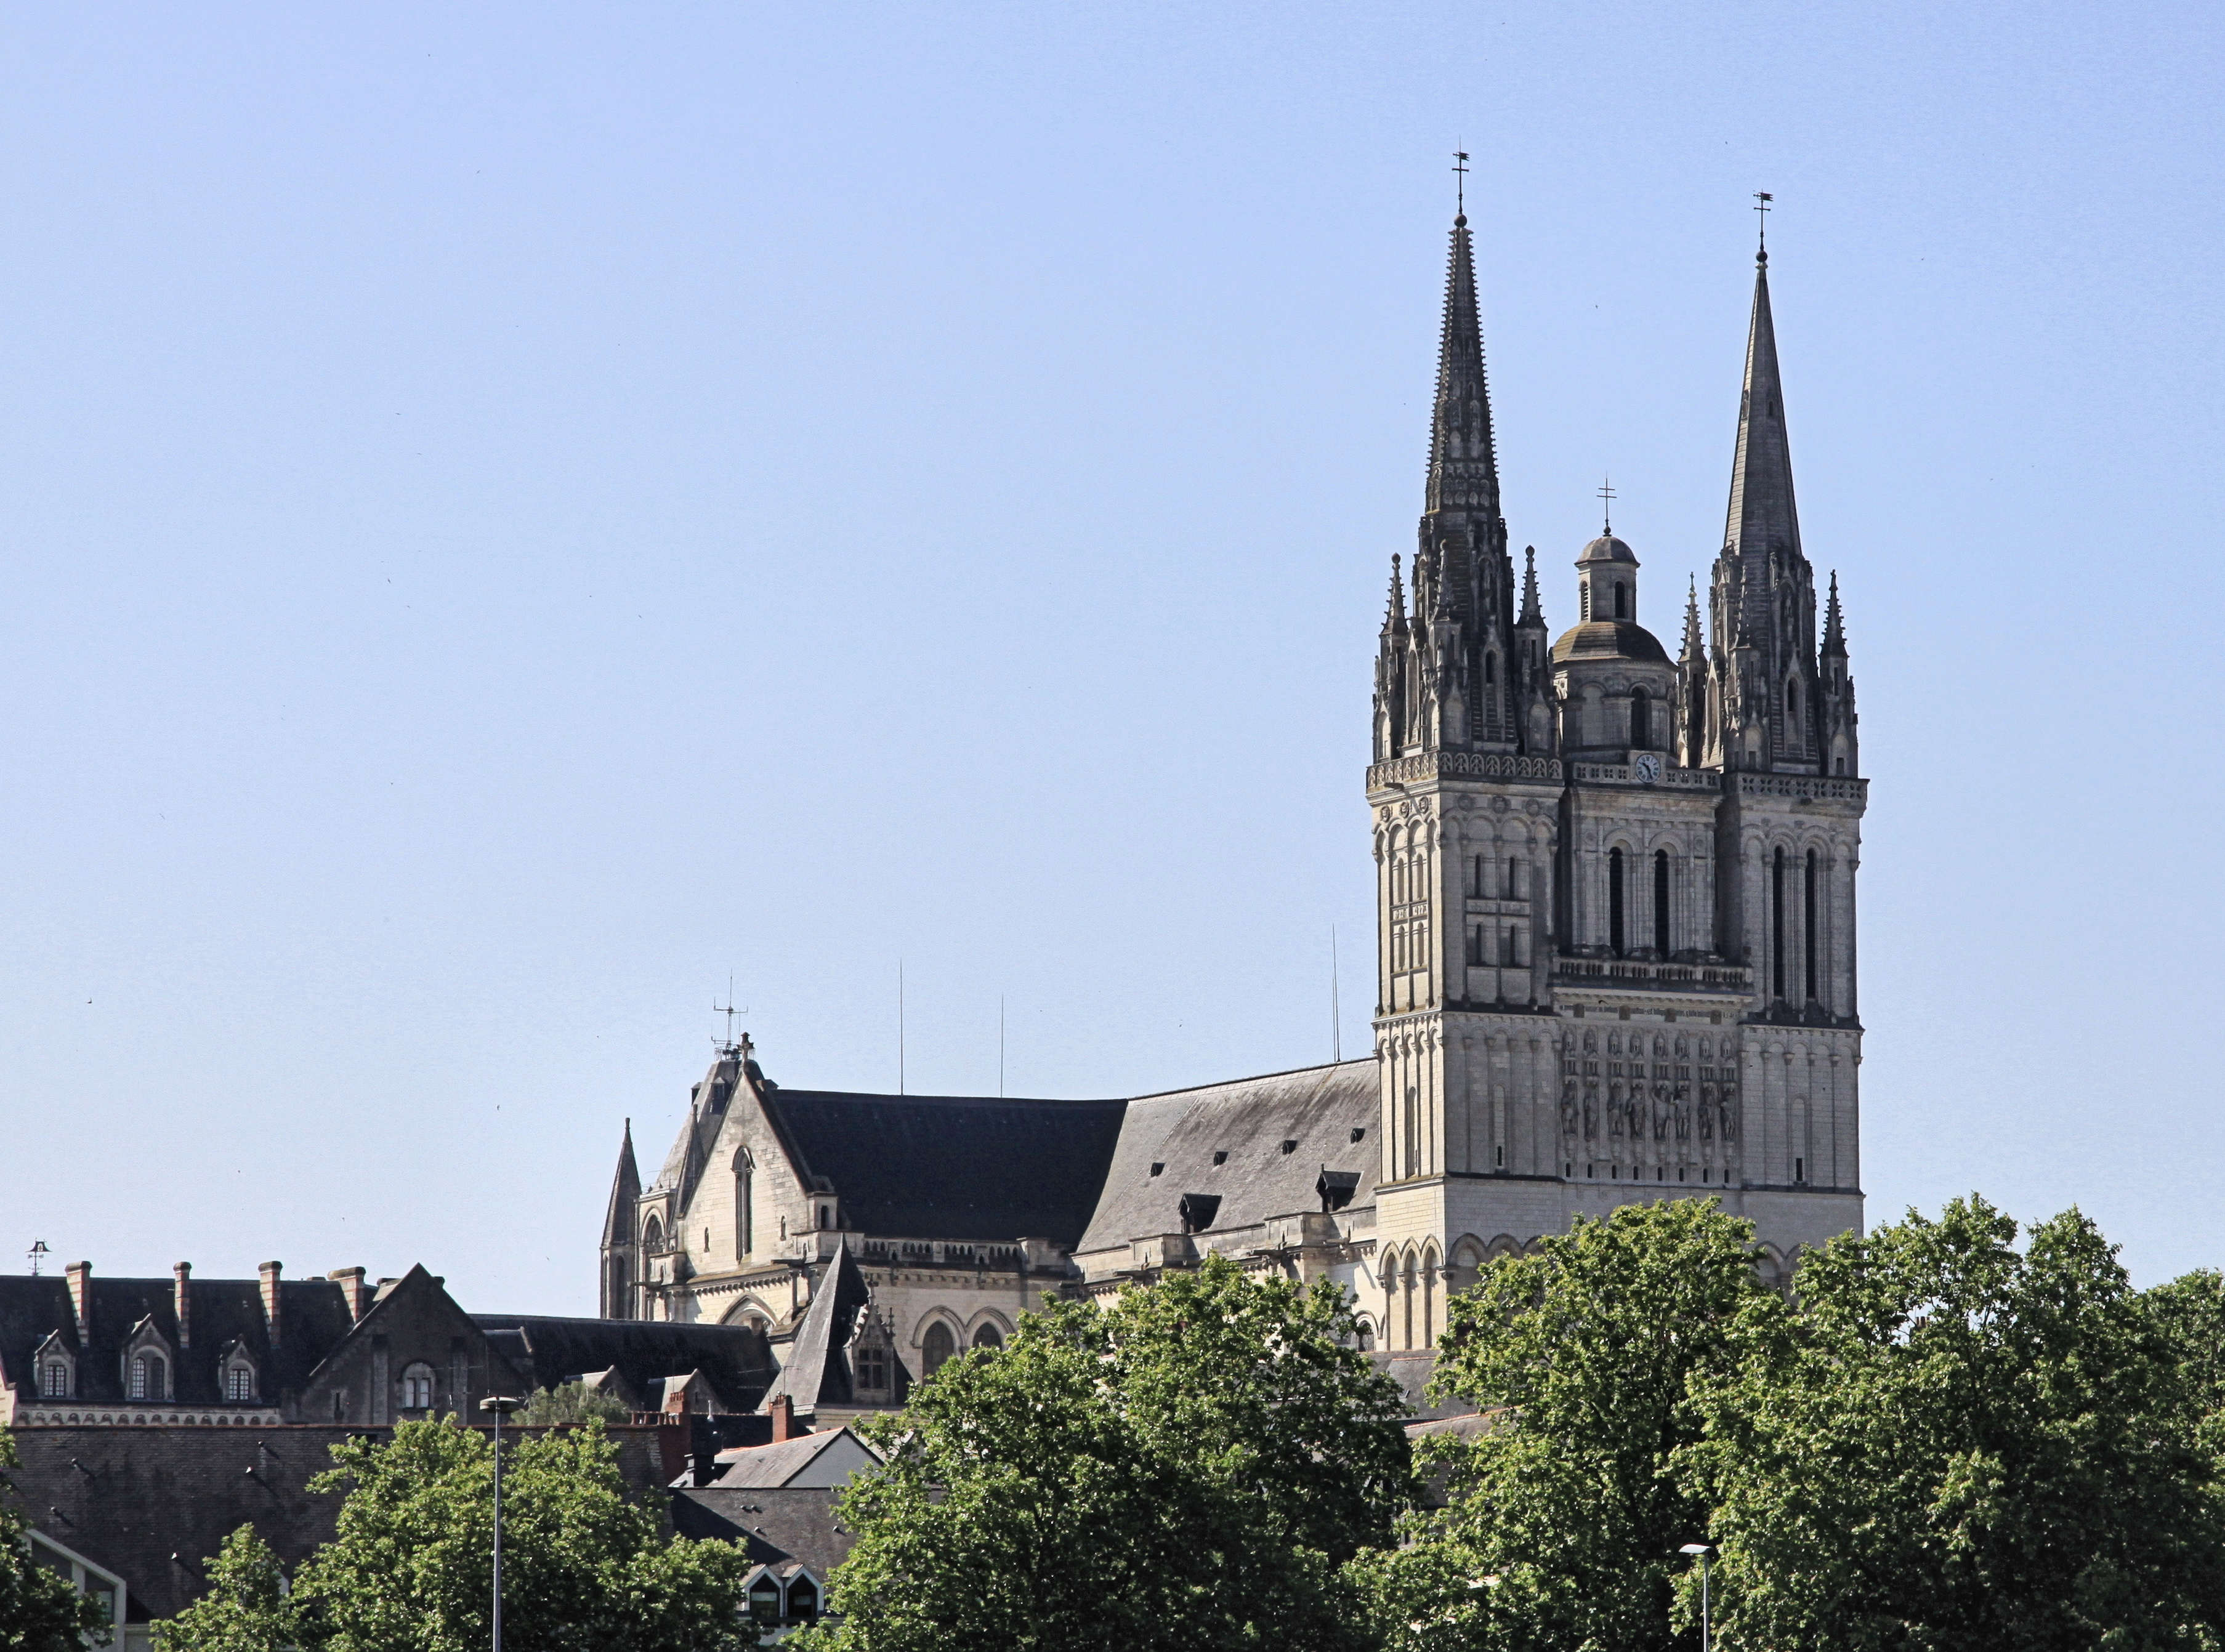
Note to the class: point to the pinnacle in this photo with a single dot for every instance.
(1463, 460)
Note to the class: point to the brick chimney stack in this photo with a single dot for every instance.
(351, 1284)
(270, 1270)
(183, 1272)
(783, 1418)
(81, 1284)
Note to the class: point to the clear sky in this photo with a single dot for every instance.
(509, 514)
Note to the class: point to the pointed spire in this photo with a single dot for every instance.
(1533, 610)
(1835, 635)
(1463, 463)
(1762, 517)
(1694, 648)
(1394, 615)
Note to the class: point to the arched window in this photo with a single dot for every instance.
(1514, 878)
(937, 1347)
(1641, 722)
(1507, 953)
(988, 1337)
(1490, 668)
(1793, 699)
(149, 1377)
(1777, 923)
(54, 1380)
(1661, 902)
(652, 1234)
(1622, 600)
(745, 1210)
(1614, 902)
(417, 1387)
(1808, 927)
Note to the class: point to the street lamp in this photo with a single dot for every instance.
(502, 1405)
(1699, 1549)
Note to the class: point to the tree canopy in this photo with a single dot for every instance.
(1565, 1514)
(568, 1404)
(410, 1569)
(1188, 1467)
(1957, 1443)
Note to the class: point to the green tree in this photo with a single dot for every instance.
(1186, 1468)
(2190, 1310)
(409, 1569)
(39, 1610)
(570, 1403)
(245, 1610)
(1957, 1444)
(1563, 1518)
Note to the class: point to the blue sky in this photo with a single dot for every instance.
(509, 515)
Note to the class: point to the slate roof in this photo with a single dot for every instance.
(1248, 1119)
(772, 1466)
(547, 1350)
(953, 1167)
(1609, 639)
(128, 1499)
(312, 1318)
(775, 1525)
(817, 1370)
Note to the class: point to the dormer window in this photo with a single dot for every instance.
(239, 1384)
(54, 1380)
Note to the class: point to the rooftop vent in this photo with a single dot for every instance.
(1221, 1157)
(1359, 1130)
(1289, 1145)
(1155, 1168)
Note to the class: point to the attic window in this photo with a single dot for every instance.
(1221, 1157)
(1155, 1168)
(1290, 1146)
(1358, 1131)
(1198, 1210)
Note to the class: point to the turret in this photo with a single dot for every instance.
(617, 1290)
(1835, 711)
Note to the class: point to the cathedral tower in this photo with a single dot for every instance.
(1615, 891)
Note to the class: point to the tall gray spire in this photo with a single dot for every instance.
(1762, 516)
(1463, 463)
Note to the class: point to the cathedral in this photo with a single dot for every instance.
(1615, 962)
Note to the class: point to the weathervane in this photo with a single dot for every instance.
(38, 1253)
(1606, 506)
(1459, 185)
(1761, 199)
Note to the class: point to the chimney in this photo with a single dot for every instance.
(270, 1270)
(183, 1272)
(81, 1284)
(351, 1284)
(783, 1418)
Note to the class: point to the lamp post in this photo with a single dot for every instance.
(502, 1405)
(1702, 1550)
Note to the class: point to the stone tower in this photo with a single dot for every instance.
(1615, 892)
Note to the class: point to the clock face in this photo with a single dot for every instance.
(1647, 768)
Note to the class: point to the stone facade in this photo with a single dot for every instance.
(1615, 893)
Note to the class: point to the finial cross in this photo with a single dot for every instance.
(1761, 199)
(1607, 505)
(1459, 185)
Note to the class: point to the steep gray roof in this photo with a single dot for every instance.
(951, 1167)
(817, 1370)
(774, 1524)
(546, 1351)
(1250, 1120)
